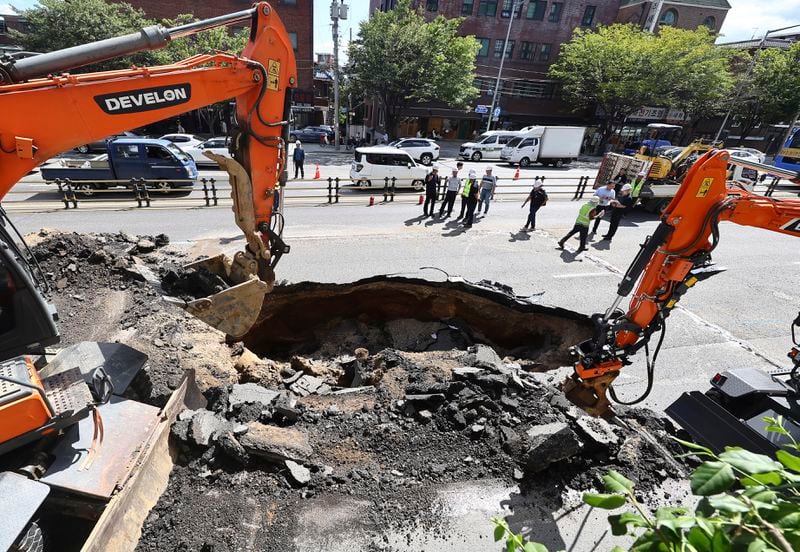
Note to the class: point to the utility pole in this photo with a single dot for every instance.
(516, 4)
(651, 27)
(338, 11)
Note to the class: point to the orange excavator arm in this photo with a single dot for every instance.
(672, 260)
(47, 111)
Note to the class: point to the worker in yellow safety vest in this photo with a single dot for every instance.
(588, 212)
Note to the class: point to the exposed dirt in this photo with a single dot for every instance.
(420, 405)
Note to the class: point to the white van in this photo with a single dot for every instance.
(488, 145)
(548, 145)
(372, 165)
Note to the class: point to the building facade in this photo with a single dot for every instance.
(10, 19)
(297, 17)
(686, 14)
(538, 29)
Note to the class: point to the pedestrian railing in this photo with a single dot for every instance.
(209, 192)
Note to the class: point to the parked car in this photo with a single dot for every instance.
(747, 153)
(488, 145)
(102, 145)
(373, 164)
(217, 145)
(183, 141)
(421, 149)
(160, 162)
(311, 134)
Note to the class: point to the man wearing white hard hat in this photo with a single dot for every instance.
(537, 199)
(589, 211)
(619, 207)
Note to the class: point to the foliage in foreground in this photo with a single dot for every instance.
(747, 501)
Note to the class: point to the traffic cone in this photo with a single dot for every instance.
(516, 174)
(316, 174)
(420, 200)
(371, 201)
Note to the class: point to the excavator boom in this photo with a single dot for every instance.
(671, 260)
(47, 111)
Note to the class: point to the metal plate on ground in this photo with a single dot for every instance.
(67, 391)
(120, 362)
(128, 425)
(21, 499)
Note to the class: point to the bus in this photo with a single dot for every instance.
(789, 156)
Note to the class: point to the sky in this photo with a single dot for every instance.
(746, 19)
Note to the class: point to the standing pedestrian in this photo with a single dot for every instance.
(619, 207)
(431, 188)
(605, 195)
(470, 182)
(181, 130)
(453, 186)
(537, 199)
(419, 133)
(299, 156)
(472, 203)
(585, 215)
(488, 185)
(620, 180)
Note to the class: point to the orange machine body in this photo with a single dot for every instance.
(25, 410)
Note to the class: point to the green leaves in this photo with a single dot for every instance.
(749, 462)
(789, 460)
(604, 501)
(712, 478)
(616, 483)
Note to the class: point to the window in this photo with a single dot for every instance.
(536, 10)
(489, 140)
(289, 2)
(293, 40)
(555, 12)
(432, 5)
(527, 142)
(544, 52)
(466, 7)
(498, 48)
(487, 8)
(527, 51)
(504, 139)
(127, 151)
(588, 16)
(484, 51)
(157, 152)
(513, 143)
(508, 5)
(710, 22)
(669, 17)
(3, 29)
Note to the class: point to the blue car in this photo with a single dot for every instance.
(310, 134)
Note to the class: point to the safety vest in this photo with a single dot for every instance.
(583, 215)
(467, 185)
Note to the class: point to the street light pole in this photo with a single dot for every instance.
(338, 11)
(515, 5)
(747, 77)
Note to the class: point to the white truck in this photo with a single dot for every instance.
(548, 145)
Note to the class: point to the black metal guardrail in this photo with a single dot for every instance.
(144, 193)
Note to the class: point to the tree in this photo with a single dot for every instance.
(613, 68)
(696, 71)
(771, 92)
(399, 58)
(57, 24)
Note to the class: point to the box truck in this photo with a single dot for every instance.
(548, 145)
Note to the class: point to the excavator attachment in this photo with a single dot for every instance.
(235, 309)
(591, 395)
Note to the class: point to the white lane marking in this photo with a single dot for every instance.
(583, 275)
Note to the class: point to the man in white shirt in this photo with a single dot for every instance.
(607, 195)
(453, 186)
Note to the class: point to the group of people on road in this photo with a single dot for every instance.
(474, 194)
(615, 197)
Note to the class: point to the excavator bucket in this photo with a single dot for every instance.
(233, 310)
(590, 395)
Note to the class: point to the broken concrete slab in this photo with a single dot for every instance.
(276, 444)
(598, 430)
(549, 443)
(486, 357)
(243, 393)
(205, 425)
(306, 385)
(228, 443)
(298, 472)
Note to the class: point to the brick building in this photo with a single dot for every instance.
(686, 14)
(10, 19)
(297, 16)
(539, 28)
